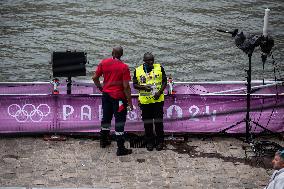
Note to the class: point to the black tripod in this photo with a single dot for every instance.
(247, 43)
(247, 119)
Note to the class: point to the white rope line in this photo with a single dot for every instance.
(244, 88)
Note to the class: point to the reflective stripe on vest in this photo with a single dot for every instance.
(152, 78)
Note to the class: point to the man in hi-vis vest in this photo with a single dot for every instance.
(151, 80)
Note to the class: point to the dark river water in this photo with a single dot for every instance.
(180, 33)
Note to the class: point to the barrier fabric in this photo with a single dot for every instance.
(182, 113)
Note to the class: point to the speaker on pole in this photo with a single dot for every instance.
(69, 64)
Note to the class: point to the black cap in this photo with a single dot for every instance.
(148, 56)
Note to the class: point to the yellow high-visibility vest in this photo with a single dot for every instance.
(154, 79)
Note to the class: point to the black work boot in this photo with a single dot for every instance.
(121, 150)
(150, 146)
(105, 138)
(149, 143)
(160, 144)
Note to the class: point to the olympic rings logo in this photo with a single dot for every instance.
(29, 112)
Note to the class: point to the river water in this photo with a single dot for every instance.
(180, 33)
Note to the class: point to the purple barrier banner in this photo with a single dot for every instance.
(182, 113)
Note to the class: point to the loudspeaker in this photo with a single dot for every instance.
(68, 64)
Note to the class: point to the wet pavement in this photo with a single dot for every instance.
(79, 162)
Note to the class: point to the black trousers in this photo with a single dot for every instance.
(116, 107)
(153, 114)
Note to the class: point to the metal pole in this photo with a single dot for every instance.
(69, 83)
(248, 99)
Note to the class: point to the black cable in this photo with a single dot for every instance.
(263, 62)
(276, 88)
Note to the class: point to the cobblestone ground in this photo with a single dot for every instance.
(215, 162)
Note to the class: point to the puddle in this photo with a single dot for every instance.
(185, 148)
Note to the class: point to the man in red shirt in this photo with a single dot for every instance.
(115, 99)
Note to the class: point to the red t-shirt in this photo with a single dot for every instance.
(114, 72)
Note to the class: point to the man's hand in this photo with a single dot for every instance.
(157, 95)
(146, 88)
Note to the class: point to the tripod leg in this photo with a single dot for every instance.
(278, 134)
(248, 100)
(228, 128)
